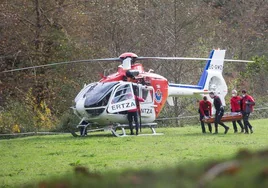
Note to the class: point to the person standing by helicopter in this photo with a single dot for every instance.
(236, 107)
(219, 112)
(205, 109)
(247, 104)
(133, 114)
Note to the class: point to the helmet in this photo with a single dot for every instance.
(129, 74)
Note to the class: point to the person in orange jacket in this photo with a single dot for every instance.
(236, 107)
(205, 109)
(247, 104)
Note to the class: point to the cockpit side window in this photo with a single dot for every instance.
(122, 93)
(147, 95)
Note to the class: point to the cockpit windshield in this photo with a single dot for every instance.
(99, 94)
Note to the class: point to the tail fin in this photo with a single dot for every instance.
(216, 64)
(212, 79)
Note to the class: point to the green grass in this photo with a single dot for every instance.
(36, 158)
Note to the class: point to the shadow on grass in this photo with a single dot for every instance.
(67, 136)
(203, 134)
(71, 137)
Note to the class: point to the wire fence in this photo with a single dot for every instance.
(180, 121)
(259, 113)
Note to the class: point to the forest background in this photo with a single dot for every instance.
(36, 32)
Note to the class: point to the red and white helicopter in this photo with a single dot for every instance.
(105, 103)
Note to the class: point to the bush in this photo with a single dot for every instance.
(26, 116)
(68, 122)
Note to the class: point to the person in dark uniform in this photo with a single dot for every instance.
(133, 114)
(205, 109)
(247, 104)
(219, 112)
(235, 102)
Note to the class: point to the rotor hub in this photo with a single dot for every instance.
(128, 54)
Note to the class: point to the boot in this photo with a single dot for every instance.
(225, 127)
(209, 128)
(235, 128)
(246, 130)
(242, 130)
(251, 130)
(226, 130)
(216, 130)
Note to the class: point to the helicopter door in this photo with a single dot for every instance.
(122, 99)
(147, 107)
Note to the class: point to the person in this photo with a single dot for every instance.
(131, 79)
(124, 78)
(247, 104)
(133, 114)
(205, 109)
(236, 107)
(219, 112)
(129, 76)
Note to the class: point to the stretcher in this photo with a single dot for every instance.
(233, 116)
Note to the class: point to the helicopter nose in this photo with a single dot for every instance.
(80, 107)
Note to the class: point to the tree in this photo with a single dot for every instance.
(39, 32)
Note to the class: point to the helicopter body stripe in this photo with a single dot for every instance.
(185, 86)
(204, 76)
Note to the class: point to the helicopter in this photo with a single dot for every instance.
(104, 104)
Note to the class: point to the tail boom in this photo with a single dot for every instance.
(211, 79)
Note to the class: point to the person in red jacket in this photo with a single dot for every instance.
(205, 109)
(236, 107)
(247, 104)
(133, 114)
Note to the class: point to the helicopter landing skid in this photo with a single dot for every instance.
(83, 129)
(123, 126)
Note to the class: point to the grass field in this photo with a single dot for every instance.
(36, 158)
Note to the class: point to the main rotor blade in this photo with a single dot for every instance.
(61, 63)
(189, 58)
(238, 60)
(119, 59)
